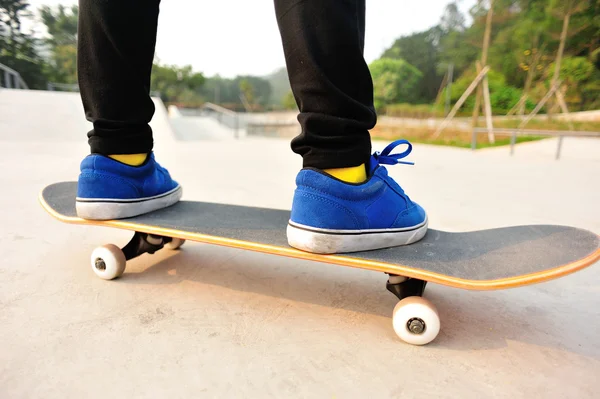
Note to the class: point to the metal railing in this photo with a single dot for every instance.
(12, 79)
(531, 132)
(51, 86)
(223, 115)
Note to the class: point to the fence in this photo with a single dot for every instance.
(530, 132)
(11, 79)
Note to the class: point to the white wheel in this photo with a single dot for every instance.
(108, 262)
(174, 243)
(416, 320)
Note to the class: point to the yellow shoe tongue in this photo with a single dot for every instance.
(355, 174)
(130, 159)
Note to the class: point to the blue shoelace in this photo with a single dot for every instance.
(385, 156)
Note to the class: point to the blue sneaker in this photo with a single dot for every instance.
(109, 189)
(331, 216)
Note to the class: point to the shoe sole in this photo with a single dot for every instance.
(322, 241)
(109, 209)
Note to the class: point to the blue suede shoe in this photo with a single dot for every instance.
(109, 189)
(332, 216)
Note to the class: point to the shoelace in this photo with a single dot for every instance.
(385, 156)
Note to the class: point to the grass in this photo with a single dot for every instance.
(543, 124)
(449, 137)
(462, 139)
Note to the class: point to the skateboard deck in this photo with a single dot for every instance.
(477, 260)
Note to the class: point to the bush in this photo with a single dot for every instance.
(579, 76)
(394, 81)
(502, 96)
(289, 102)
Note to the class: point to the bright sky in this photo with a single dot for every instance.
(239, 37)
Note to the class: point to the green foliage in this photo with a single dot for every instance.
(416, 111)
(247, 91)
(580, 79)
(506, 97)
(289, 102)
(525, 38)
(18, 50)
(394, 81)
(590, 92)
(432, 50)
(259, 88)
(176, 83)
(575, 70)
(227, 91)
(502, 96)
(420, 51)
(61, 24)
(280, 86)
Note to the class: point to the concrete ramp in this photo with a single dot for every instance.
(31, 115)
(192, 128)
(40, 116)
(198, 127)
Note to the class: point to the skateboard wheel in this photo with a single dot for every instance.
(416, 320)
(174, 243)
(108, 262)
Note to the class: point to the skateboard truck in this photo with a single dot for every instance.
(403, 287)
(109, 261)
(142, 243)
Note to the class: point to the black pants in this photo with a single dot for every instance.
(323, 42)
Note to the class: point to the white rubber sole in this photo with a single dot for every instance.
(322, 241)
(109, 209)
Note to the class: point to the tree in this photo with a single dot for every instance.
(280, 86)
(564, 9)
(289, 102)
(576, 73)
(432, 50)
(176, 84)
(258, 88)
(502, 95)
(61, 24)
(420, 50)
(452, 20)
(394, 81)
(19, 50)
(525, 37)
(247, 93)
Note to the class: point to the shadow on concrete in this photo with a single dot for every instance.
(470, 320)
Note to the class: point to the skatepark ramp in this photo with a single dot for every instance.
(38, 115)
(213, 122)
(191, 125)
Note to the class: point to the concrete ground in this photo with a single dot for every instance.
(211, 322)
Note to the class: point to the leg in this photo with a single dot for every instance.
(344, 201)
(120, 178)
(116, 42)
(323, 42)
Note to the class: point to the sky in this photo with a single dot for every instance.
(240, 37)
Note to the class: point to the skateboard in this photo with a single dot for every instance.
(490, 259)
